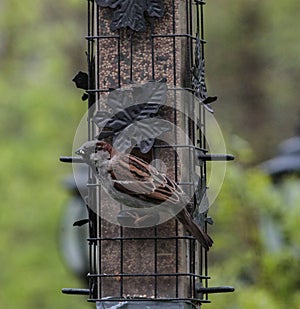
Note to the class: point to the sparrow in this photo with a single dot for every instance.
(133, 182)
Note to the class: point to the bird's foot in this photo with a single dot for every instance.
(137, 218)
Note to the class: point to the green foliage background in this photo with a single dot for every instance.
(252, 62)
(41, 48)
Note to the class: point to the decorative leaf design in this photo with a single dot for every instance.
(198, 78)
(132, 116)
(83, 80)
(143, 133)
(200, 211)
(155, 8)
(130, 13)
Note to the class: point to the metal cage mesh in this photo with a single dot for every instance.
(161, 263)
(145, 264)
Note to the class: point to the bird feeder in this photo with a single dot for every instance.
(147, 58)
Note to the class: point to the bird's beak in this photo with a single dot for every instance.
(86, 148)
(79, 151)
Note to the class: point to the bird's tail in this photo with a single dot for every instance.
(188, 222)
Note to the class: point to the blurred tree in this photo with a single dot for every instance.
(41, 49)
(250, 73)
(253, 66)
(262, 278)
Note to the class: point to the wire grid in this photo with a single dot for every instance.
(114, 64)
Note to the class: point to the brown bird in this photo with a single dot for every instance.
(137, 184)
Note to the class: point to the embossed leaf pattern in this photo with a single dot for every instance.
(143, 133)
(198, 78)
(132, 117)
(116, 122)
(155, 8)
(81, 81)
(130, 13)
(200, 211)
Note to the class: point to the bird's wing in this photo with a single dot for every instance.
(133, 176)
